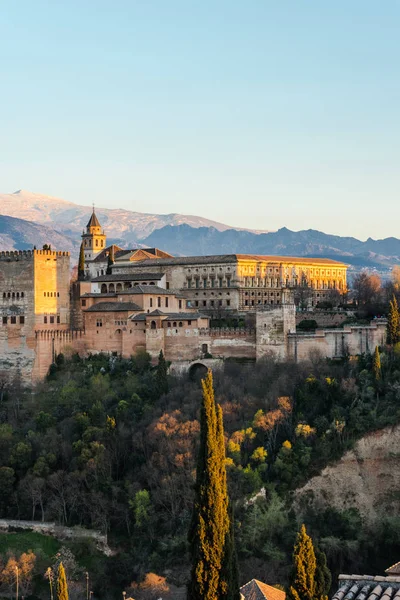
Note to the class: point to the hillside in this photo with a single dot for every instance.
(187, 234)
(18, 234)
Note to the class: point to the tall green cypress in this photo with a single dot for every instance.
(303, 581)
(62, 587)
(376, 365)
(81, 264)
(210, 521)
(393, 323)
(323, 577)
(162, 375)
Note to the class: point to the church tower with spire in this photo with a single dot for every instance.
(93, 240)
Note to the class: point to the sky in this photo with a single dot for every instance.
(256, 113)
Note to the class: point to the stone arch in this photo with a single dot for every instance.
(103, 288)
(111, 288)
(127, 285)
(118, 332)
(197, 371)
(119, 287)
(153, 325)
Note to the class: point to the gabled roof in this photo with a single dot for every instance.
(113, 307)
(394, 569)
(149, 289)
(138, 254)
(257, 590)
(93, 221)
(103, 255)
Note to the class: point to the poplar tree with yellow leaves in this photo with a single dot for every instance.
(305, 577)
(212, 574)
(62, 587)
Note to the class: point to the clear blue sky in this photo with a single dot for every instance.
(256, 113)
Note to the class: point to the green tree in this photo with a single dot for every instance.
(393, 323)
(229, 578)
(81, 264)
(210, 521)
(161, 376)
(323, 577)
(376, 365)
(303, 585)
(62, 587)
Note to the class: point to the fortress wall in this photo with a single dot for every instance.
(230, 343)
(49, 343)
(337, 343)
(323, 319)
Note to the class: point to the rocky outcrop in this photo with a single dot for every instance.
(366, 478)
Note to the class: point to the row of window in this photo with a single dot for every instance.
(219, 282)
(205, 269)
(13, 295)
(13, 320)
(212, 303)
(51, 294)
(86, 243)
(51, 319)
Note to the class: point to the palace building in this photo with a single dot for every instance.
(145, 299)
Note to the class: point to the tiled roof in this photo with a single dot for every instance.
(103, 255)
(394, 569)
(256, 590)
(187, 316)
(113, 307)
(149, 289)
(367, 587)
(234, 258)
(129, 277)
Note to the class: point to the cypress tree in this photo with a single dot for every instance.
(323, 577)
(393, 324)
(111, 259)
(210, 521)
(229, 578)
(303, 582)
(161, 375)
(62, 587)
(81, 264)
(376, 365)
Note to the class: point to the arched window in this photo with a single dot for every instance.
(118, 332)
(13, 294)
(18, 295)
(180, 323)
(22, 294)
(119, 287)
(174, 324)
(102, 243)
(111, 288)
(103, 288)
(153, 325)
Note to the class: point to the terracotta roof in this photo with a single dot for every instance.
(93, 221)
(129, 277)
(169, 316)
(257, 590)
(113, 307)
(394, 569)
(149, 289)
(103, 255)
(367, 587)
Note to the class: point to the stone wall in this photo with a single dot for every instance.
(336, 343)
(273, 325)
(323, 318)
(50, 343)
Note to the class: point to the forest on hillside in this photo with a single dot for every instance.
(110, 444)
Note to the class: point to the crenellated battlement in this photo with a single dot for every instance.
(28, 254)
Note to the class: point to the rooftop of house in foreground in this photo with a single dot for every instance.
(367, 587)
(257, 590)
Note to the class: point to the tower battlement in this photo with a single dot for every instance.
(28, 254)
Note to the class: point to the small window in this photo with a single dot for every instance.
(180, 303)
(204, 302)
(174, 324)
(166, 302)
(169, 324)
(151, 302)
(58, 318)
(22, 320)
(83, 302)
(196, 302)
(159, 302)
(45, 319)
(180, 323)
(13, 320)
(228, 302)
(4, 320)
(58, 294)
(22, 294)
(189, 323)
(167, 285)
(52, 319)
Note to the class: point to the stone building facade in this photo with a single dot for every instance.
(145, 299)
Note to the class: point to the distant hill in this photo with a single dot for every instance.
(128, 226)
(40, 219)
(185, 240)
(18, 234)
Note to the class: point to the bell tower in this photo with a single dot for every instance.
(94, 240)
